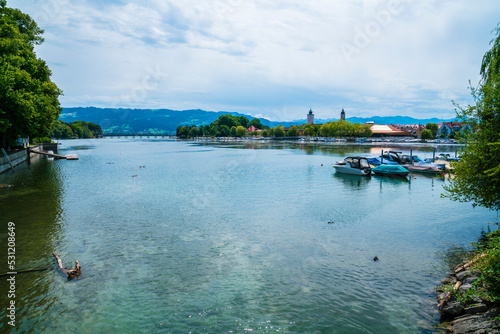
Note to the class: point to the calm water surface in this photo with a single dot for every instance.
(179, 237)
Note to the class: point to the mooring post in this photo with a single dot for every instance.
(411, 156)
(382, 157)
(434, 154)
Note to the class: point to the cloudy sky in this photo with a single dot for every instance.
(273, 59)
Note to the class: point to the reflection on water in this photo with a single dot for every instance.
(33, 203)
(352, 182)
(227, 237)
(342, 149)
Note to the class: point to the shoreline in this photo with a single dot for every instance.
(474, 317)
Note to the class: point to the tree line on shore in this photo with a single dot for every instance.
(76, 129)
(236, 126)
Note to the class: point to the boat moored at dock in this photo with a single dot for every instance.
(391, 170)
(353, 165)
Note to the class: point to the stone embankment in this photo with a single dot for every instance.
(462, 310)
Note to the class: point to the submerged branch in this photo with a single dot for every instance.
(74, 272)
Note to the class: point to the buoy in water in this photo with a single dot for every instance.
(375, 258)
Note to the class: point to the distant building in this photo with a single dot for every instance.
(380, 130)
(310, 117)
(252, 129)
(413, 129)
(342, 114)
(447, 129)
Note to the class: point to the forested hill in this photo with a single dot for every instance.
(166, 121)
(153, 121)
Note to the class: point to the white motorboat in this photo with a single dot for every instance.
(353, 165)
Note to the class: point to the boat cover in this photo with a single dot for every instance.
(390, 169)
(376, 161)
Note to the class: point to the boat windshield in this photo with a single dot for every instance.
(364, 163)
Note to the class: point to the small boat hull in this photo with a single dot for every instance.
(353, 171)
(425, 169)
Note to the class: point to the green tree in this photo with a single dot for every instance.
(183, 132)
(29, 102)
(193, 131)
(61, 130)
(433, 127)
(214, 130)
(241, 131)
(366, 130)
(279, 131)
(244, 122)
(477, 174)
(256, 122)
(77, 129)
(324, 130)
(228, 120)
(309, 130)
(224, 131)
(95, 129)
(232, 131)
(81, 129)
(293, 132)
(426, 134)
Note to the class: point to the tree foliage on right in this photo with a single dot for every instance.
(477, 174)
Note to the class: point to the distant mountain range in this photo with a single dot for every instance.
(166, 121)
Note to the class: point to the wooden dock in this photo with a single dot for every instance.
(58, 156)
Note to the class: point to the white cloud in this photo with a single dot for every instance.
(276, 59)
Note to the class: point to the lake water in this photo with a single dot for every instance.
(180, 237)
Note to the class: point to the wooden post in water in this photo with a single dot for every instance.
(434, 154)
(411, 156)
(382, 157)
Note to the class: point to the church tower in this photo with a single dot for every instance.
(310, 117)
(342, 114)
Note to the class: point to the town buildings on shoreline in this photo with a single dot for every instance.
(445, 129)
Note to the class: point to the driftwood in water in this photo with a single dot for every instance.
(448, 294)
(74, 272)
(461, 267)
